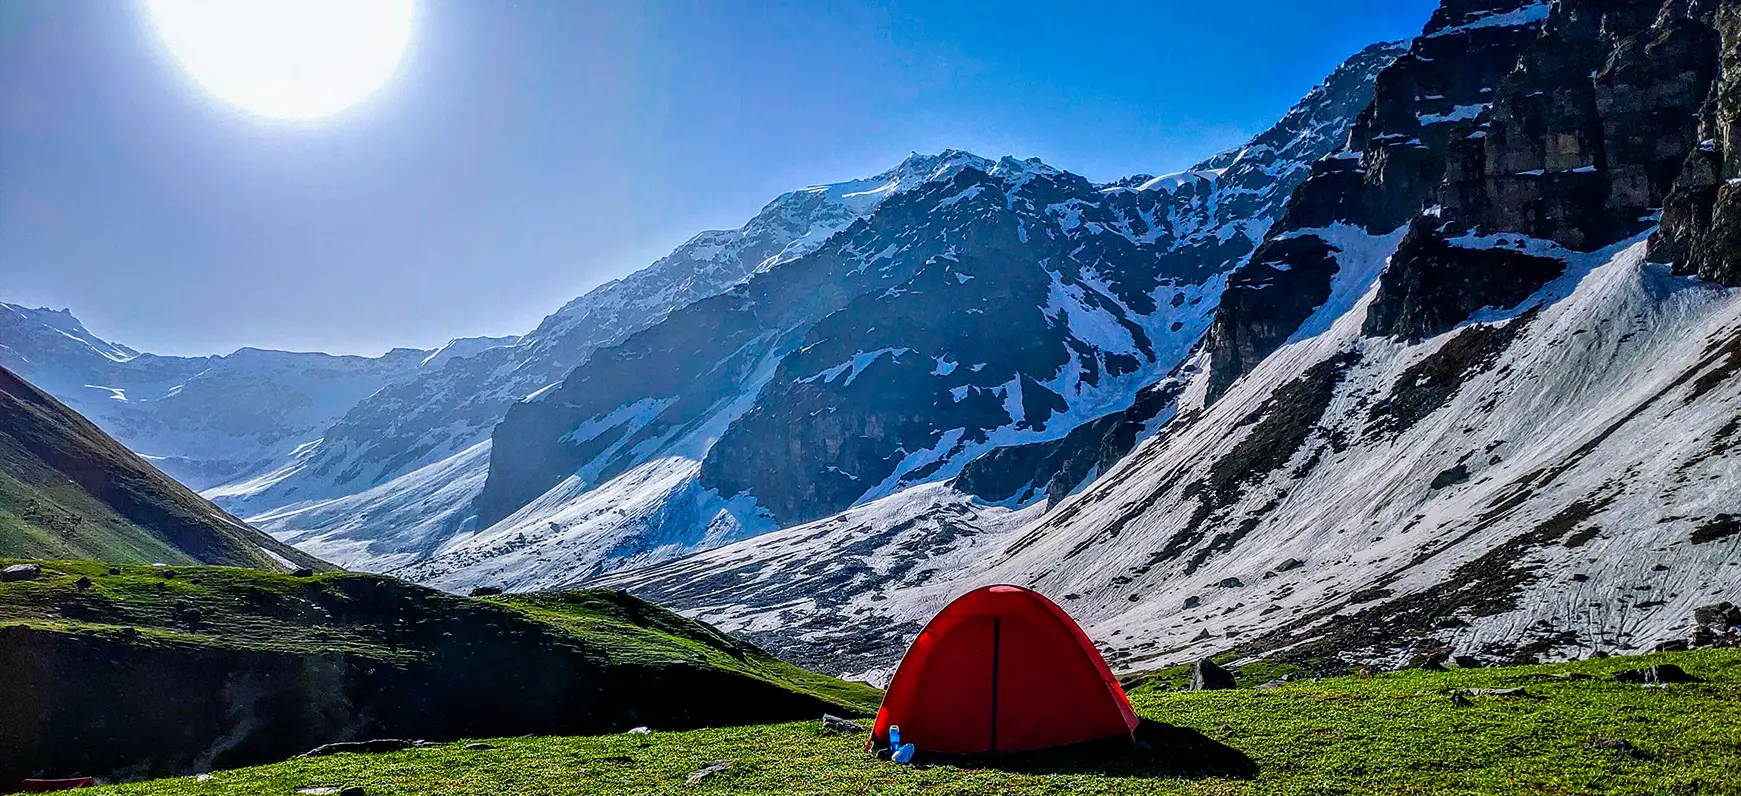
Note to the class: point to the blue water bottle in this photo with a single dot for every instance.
(902, 752)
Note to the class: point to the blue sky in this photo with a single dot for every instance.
(527, 151)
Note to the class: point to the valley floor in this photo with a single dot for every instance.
(1395, 733)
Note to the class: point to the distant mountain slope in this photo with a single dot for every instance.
(1476, 391)
(369, 470)
(1001, 305)
(204, 420)
(67, 490)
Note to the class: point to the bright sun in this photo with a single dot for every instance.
(289, 59)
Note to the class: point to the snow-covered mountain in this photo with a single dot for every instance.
(203, 420)
(1475, 391)
(994, 306)
(396, 476)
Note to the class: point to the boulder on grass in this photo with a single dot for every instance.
(18, 572)
(708, 770)
(1622, 746)
(1661, 673)
(1207, 675)
(832, 723)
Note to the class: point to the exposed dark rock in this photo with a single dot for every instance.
(1265, 303)
(1206, 675)
(1467, 661)
(1721, 526)
(1582, 141)
(83, 584)
(1230, 583)
(1430, 660)
(1720, 616)
(1432, 286)
(1290, 564)
(1701, 219)
(708, 770)
(1451, 477)
(832, 723)
(376, 746)
(1660, 673)
(1056, 467)
(300, 572)
(1193, 602)
(20, 572)
(1587, 135)
(1620, 746)
(485, 591)
(1518, 693)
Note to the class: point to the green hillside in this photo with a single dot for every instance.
(1398, 733)
(68, 490)
(140, 669)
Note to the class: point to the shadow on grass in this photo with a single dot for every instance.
(1160, 751)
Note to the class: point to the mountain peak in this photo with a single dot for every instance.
(1026, 168)
(64, 322)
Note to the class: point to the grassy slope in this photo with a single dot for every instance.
(627, 629)
(379, 617)
(1394, 734)
(67, 490)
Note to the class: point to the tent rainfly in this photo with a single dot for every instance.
(1002, 669)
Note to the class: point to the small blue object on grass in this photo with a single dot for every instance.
(902, 753)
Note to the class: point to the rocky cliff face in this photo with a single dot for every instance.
(1701, 219)
(1579, 149)
(1397, 154)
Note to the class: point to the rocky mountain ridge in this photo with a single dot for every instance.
(1450, 403)
(868, 366)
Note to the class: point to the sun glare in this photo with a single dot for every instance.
(288, 59)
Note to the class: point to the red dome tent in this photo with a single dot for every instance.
(1002, 669)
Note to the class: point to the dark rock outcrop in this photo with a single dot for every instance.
(1701, 218)
(1396, 156)
(1580, 146)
